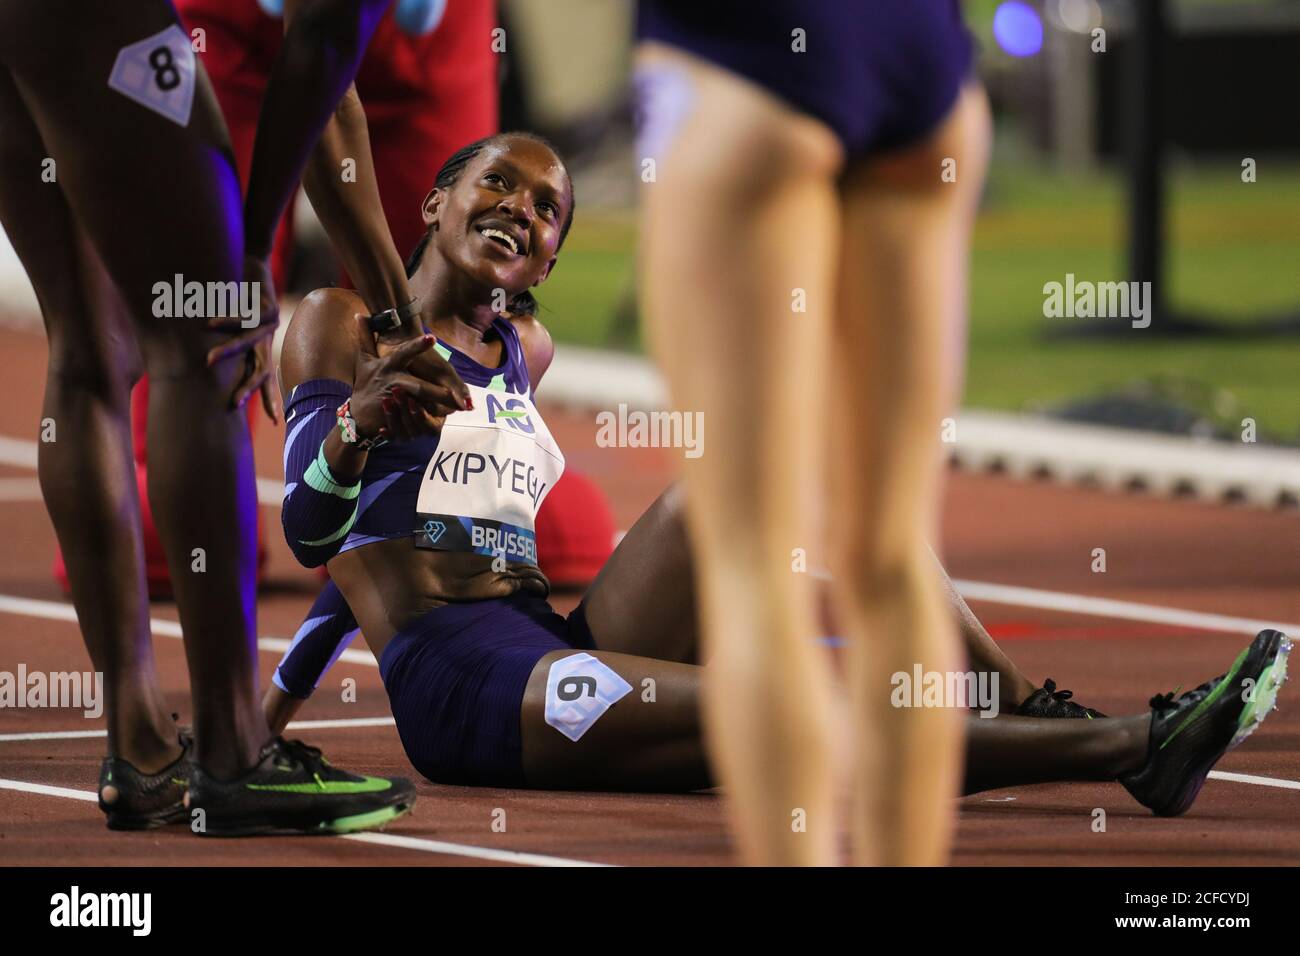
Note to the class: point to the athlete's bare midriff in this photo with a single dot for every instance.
(389, 584)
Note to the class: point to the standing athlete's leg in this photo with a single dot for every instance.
(159, 199)
(901, 301)
(741, 219)
(85, 469)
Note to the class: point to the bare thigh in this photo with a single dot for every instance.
(89, 333)
(650, 739)
(156, 198)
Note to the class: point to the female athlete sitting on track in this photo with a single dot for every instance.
(426, 524)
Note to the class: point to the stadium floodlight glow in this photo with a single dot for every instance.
(1018, 29)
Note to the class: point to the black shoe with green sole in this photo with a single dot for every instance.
(1190, 734)
(293, 789)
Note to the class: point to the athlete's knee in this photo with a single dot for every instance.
(109, 371)
(867, 575)
(173, 349)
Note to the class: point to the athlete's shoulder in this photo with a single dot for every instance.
(321, 340)
(536, 344)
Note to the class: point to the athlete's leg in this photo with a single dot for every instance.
(86, 471)
(984, 654)
(741, 224)
(643, 600)
(650, 739)
(901, 300)
(1010, 751)
(159, 199)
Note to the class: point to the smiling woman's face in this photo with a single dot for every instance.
(500, 223)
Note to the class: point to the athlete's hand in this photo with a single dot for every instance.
(387, 396)
(427, 365)
(254, 343)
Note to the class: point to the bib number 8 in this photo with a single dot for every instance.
(165, 73)
(571, 688)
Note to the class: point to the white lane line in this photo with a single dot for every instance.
(22, 454)
(43, 790)
(1105, 607)
(18, 452)
(457, 849)
(378, 839)
(54, 735)
(1252, 778)
(61, 611)
(332, 724)
(20, 489)
(342, 722)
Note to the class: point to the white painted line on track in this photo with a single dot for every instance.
(1252, 778)
(62, 611)
(331, 724)
(20, 489)
(378, 839)
(43, 790)
(457, 849)
(54, 735)
(18, 452)
(22, 454)
(1105, 607)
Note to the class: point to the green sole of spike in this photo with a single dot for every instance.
(365, 821)
(1271, 679)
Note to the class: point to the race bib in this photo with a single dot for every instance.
(579, 689)
(158, 73)
(492, 470)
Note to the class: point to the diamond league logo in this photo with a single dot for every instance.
(434, 530)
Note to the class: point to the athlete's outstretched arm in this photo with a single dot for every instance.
(318, 60)
(350, 209)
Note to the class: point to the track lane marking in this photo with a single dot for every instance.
(1107, 607)
(62, 611)
(22, 453)
(330, 724)
(393, 840)
(1255, 779)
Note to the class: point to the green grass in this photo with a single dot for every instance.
(1234, 255)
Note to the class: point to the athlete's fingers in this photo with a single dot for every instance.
(424, 422)
(247, 339)
(406, 412)
(404, 354)
(438, 400)
(254, 382)
(392, 414)
(257, 369)
(271, 398)
(435, 369)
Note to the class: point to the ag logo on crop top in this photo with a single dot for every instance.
(514, 412)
